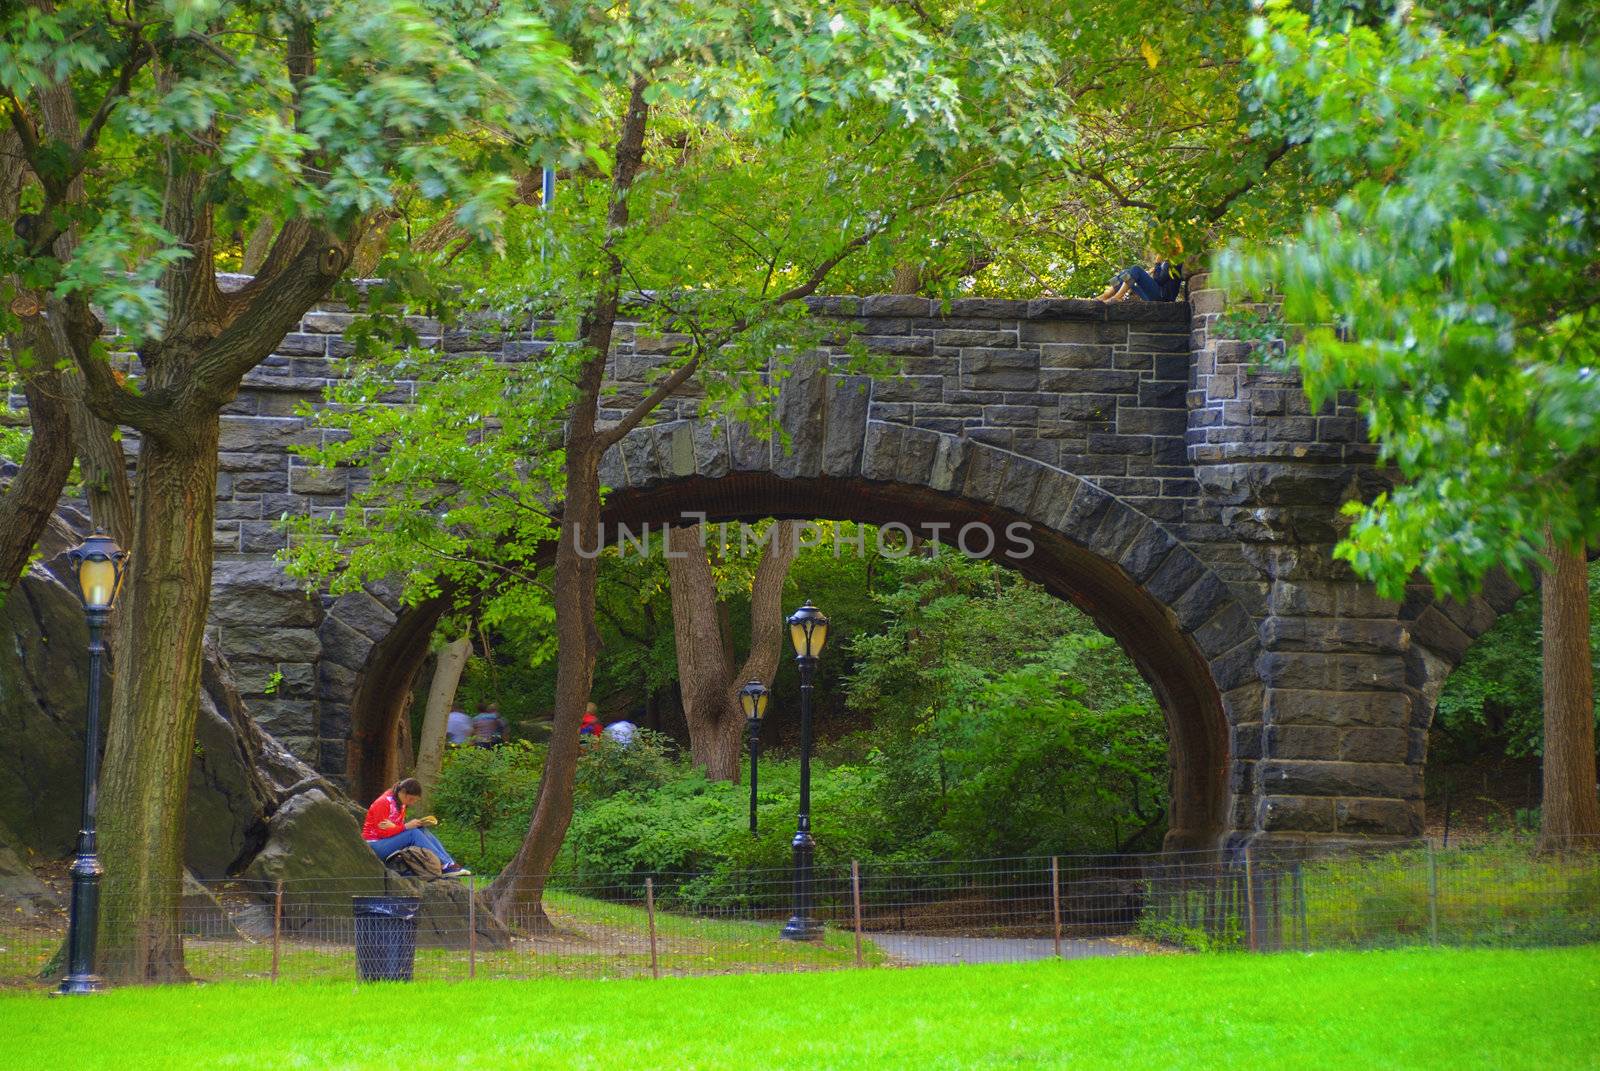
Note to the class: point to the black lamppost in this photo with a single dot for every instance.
(753, 699)
(808, 628)
(100, 563)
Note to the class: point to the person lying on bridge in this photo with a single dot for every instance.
(386, 830)
(1133, 282)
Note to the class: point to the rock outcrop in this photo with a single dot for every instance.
(238, 779)
(314, 847)
(22, 894)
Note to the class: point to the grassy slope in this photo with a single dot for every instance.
(1367, 1010)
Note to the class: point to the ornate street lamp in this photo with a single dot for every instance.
(101, 565)
(753, 699)
(808, 628)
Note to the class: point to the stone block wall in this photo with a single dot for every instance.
(1164, 440)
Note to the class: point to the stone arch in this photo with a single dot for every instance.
(1176, 618)
(1441, 632)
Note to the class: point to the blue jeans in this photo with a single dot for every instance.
(1143, 284)
(411, 838)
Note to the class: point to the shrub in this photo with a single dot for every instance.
(607, 767)
(479, 789)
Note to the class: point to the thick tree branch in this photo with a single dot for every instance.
(26, 130)
(1216, 211)
(272, 312)
(140, 54)
(26, 503)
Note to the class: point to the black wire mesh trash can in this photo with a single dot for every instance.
(386, 936)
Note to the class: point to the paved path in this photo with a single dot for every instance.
(932, 948)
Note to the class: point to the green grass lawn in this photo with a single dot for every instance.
(1423, 1009)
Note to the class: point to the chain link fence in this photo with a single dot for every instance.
(1489, 893)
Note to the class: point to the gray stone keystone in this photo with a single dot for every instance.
(845, 427)
(881, 457)
(949, 464)
(710, 447)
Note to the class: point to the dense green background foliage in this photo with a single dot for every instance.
(1492, 704)
(983, 717)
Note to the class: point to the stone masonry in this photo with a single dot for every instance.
(1182, 494)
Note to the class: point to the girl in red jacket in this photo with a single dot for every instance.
(386, 830)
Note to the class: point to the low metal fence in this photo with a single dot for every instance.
(1491, 893)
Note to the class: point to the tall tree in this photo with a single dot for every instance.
(704, 637)
(318, 115)
(1454, 283)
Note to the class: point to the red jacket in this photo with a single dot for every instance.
(591, 726)
(384, 809)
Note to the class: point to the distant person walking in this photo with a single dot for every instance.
(488, 727)
(386, 829)
(621, 732)
(591, 726)
(458, 728)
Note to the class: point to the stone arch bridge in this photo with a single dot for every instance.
(1181, 495)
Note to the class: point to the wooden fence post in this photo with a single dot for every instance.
(1250, 897)
(1433, 895)
(1055, 899)
(277, 926)
(855, 897)
(650, 909)
(472, 926)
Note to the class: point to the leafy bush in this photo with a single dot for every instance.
(1500, 893)
(482, 789)
(607, 767)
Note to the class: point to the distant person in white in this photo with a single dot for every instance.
(458, 727)
(621, 731)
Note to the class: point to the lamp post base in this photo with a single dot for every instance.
(75, 984)
(801, 926)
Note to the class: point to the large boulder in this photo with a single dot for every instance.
(255, 811)
(203, 915)
(314, 848)
(22, 894)
(238, 778)
(43, 681)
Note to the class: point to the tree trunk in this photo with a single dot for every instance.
(102, 466)
(29, 498)
(706, 675)
(1569, 813)
(907, 278)
(435, 719)
(27, 501)
(704, 667)
(517, 892)
(151, 737)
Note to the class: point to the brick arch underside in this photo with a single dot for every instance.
(1173, 617)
